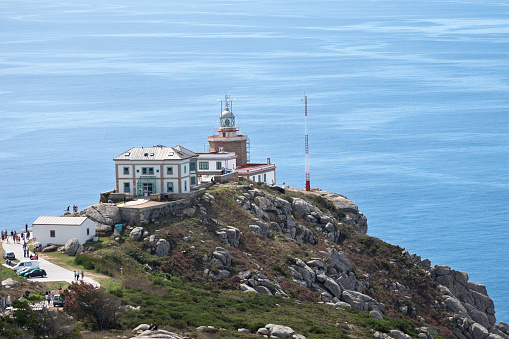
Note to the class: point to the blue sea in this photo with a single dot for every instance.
(408, 107)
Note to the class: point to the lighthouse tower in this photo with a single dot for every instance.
(227, 139)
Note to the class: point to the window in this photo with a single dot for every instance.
(204, 165)
(147, 170)
(52, 233)
(192, 166)
(151, 170)
(144, 170)
(259, 178)
(218, 165)
(169, 170)
(137, 171)
(127, 187)
(169, 187)
(88, 231)
(193, 180)
(264, 177)
(185, 169)
(185, 185)
(126, 170)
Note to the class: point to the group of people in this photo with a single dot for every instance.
(77, 275)
(74, 208)
(16, 238)
(51, 295)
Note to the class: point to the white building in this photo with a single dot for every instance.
(57, 230)
(210, 164)
(265, 173)
(142, 171)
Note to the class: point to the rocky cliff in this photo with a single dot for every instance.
(260, 240)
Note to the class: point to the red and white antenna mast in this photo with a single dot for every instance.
(308, 185)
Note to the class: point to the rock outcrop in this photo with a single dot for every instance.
(136, 233)
(335, 280)
(275, 213)
(231, 235)
(73, 247)
(475, 311)
(104, 215)
(258, 282)
(162, 248)
(278, 331)
(353, 216)
(222, 257)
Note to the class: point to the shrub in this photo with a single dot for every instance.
(96, 308)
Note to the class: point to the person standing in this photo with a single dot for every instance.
(26, 227)
(82, 275)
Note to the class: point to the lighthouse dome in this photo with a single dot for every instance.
(227, 114)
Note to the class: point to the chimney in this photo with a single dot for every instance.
(268, 161)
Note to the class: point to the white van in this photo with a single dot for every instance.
(25, 264)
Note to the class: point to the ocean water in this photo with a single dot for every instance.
(408, 107)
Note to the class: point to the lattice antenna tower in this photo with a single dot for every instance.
(306, 142)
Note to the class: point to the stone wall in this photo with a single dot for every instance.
(138, 216)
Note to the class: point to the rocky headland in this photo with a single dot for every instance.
(282, 243)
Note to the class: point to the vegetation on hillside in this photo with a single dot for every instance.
(174, 292)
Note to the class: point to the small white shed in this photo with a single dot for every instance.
(57, 230)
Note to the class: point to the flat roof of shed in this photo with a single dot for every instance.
(71, 221)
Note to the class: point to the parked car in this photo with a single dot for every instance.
(25, 270)
(10, 263)
(9, 255)
(58, 300)
(38, 272)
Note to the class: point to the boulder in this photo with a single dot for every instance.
(72, 246)
(399, 335)
(136, 233)
(9, 283)
(141, 327)
(318, 263)
(107, 213)
(222, 256)
(376, 315)
(160, 334)
(361, 302)
(339, 261)
(478, 331)
(190, 211)
(302, 206)
(163, 248)
(246, 288)
(279, 331)
(334, 288)
(263, 290)
(51, 248)
(262, 331)
(231, 235)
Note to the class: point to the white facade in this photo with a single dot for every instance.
(265, 173)
(210, 164)
(58, 230)
(142, 171)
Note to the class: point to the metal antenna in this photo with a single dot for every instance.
(306, 142)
